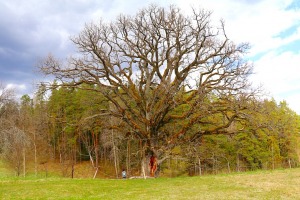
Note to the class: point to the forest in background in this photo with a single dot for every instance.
(65, 128)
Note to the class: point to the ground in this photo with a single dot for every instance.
(277, 184)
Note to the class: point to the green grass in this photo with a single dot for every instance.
(277, 184)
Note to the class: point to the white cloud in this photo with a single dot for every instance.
(15, 86)
(19, 89)
(257, 23)
(293, 102)
(279, 75)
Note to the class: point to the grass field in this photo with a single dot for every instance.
(277, 184)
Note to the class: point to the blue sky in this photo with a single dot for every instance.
(31, 29)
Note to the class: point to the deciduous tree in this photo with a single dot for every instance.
(154, 63)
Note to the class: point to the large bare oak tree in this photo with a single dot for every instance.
(159, 67)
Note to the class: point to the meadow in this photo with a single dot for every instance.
(276, 184)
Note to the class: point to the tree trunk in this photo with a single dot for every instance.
(91, 158)
(144, 168)
(73, 160)
(128, 158)
(35, 155)
(24, 163)
(199, 163)
(273, 161)
(237, 162)
(72, 170)
(213, 158)
(115, 154)
(96, 172)
(96, 147)
(228, 166)
(144, 162)
(18, 167)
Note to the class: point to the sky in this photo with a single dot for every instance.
(31, 29)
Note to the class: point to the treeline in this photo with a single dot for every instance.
(73, 126)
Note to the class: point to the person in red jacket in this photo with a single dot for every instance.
(153, 165)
